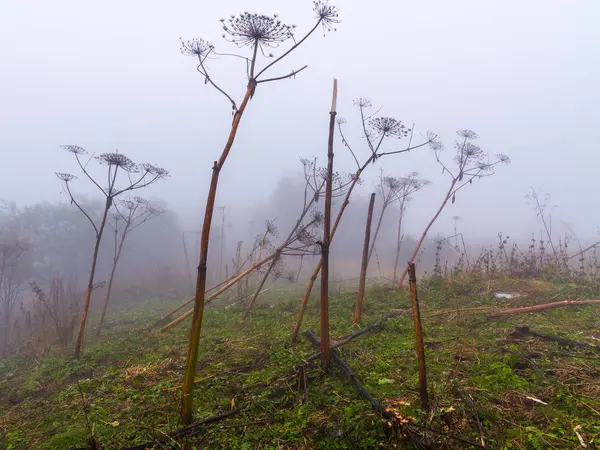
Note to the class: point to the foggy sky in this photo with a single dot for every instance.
(108, 75)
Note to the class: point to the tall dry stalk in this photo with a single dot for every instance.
(258, 32)
(365, 263)
(471, 163)
(324, 304)
(138, 176)
(418, 337)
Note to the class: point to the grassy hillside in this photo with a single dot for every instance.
(478, 373)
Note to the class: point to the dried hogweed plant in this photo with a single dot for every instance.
(253, 32)
(470, 163)
(121, 176)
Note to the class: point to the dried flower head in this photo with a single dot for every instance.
(388, 126)
(467, 134)
(305, 237)
(278, 266)
(340, 121)
(196, 47)
(327, 14)
(316, 217)
(271, 228)
(503, 158)
(155, 171)
(250, 29)
(75, 149)
(434, 142)
(66, 177)
(129, 204)
(117, 160)
(484, 166)
(362, 102)
(392, 183)
(140, 200)
(468, 153)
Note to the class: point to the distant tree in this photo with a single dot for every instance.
(471, 163)
(259, 33)
(12, 248)
(129, 214)
(118, 168)
(11, 287)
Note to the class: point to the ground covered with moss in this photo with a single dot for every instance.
(484, 380)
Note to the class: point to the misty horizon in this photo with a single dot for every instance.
(132, 90)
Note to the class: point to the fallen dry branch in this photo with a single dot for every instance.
(211, 297)
(526, 331)
(459, 310)
(410, 427)
(180, 307)
(541, 307)
(349, 373)
(349, 337)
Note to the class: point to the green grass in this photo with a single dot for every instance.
(129, 378)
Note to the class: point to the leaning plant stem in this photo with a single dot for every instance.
(429, 225)
(112, 276)
(324, 304)
(398, 243)
(192, 355)
(232, 281)
(365, 262)
(90, 286)
(376, 233)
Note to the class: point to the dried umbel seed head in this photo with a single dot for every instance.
(117, 160)
(467, 134)
(129, 204)
(66, 177)
(316, 217)
(250, 29)
(271, 228)
(196, 47)
(140, 200)
(305, 237)
(392, 183)
(155, 171)
(75, 149)
(388, 126)
(362, 102)
(503, 158)
(327, 14)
